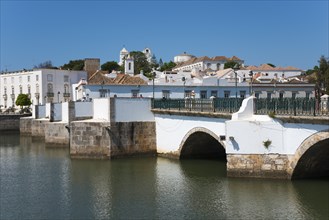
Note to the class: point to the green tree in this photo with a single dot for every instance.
(230, 64)
(160, 63)
(23, 100)
(109, 66)
(167, 66)
(323, 74)
(140, 62)
(45, 65)
(74, 65)
(272, 65)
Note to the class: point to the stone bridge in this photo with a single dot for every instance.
(252, 145)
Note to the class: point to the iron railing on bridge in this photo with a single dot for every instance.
(289, 106)
(224, 105)
(283, 106)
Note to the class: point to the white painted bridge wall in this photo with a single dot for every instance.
(171, 129)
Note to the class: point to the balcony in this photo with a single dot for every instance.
(12, 96)
(50, 94)
(5, 97)
(66, 94)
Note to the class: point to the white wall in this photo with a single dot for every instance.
(133, 110)
(171, 129)
(42, 111)
(101, 109)
(84, 109)
(47, 115)
(58, 112)
(65, 111)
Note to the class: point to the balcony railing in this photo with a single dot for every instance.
(66, 94)
(284, 106)
(50, 94)
(12, 96)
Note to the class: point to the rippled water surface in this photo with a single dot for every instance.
(44, 183)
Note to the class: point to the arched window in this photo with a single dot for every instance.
(28, 89)
(50, 87)
(66, 88)
(129, 66)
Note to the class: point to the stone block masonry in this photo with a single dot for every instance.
(274, 166)
(106, 140)
(10, 122)
(56, 135)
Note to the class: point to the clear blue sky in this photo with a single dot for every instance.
(285, 33)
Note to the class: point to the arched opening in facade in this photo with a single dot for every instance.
(314, 162)
(202, 145)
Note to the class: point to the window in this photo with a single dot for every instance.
(218, 66)
(36, 77)
(242, 94)
(129, 66)
(227, 94)
(208, 65)
(293, 95)
(28, 78)
(203, 94)
(50, 88)
(134, 93)
(66, 78)
(213, 93)
(166, 94)
(281, 95)
(66, 88)
(5, 90)
(187, 93)
(37, 88)
(12, 90)
(307, 95)
(20, 89)
(257, 95)
(49, 78)
(28, 89)
(269, 95)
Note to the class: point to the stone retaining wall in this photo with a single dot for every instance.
(105, 140)
(10, 122)
(25, 125)
(256, 165)
(56, 135)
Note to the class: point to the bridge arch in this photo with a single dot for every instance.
(201, 142)
(311, 159)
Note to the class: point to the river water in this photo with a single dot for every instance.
(37, 182)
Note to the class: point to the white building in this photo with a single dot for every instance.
(42, 85)
(206, 63)
(124, 54)
(183, 57)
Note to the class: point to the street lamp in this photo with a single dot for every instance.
(58, 96)
(153, 76)
(251, 74)
(236, 68)
(184, 81)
